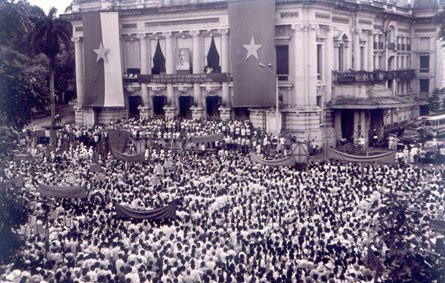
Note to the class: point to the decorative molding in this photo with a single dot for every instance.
(182, 22)
(129, 25)
(404, 30)
(425, 30)
(167, 34)
(365, 22)
(194, 33)
(341, 20)
(141, 35)
(290, 14)
(223, 31)
(379, 27)
(319, 15)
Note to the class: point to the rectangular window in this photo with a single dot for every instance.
(319, 61)
(282, 62)
(424, 85)
(424, 63)
(341, 58)
(362, 57)
(319, 101)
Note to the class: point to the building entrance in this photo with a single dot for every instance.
(185, 102)
(212, 105)
(133, 103)
(158, 105)
(347, 124)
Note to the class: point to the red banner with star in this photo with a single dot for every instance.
(252, 41)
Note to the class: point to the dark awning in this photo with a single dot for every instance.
(370, 102)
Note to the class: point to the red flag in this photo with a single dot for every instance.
(252, 39)
(102, 57)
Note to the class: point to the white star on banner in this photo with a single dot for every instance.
(101, 53)
(252, 48)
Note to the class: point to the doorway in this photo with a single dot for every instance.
(212, 105)
(158, 105)
(185, 104)
(347, 124)
(133, 102)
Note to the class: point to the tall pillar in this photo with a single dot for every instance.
(144, 109)
(79, 71)
(328, 58)
(311, 71)
(364, 126)
(196, 38)
(370, 42)
(337, 122)
(356, 48)
(299, 65)
(225, 66)
(197, 110)
(356, 127)
(169, 68)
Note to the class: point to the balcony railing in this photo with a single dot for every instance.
(376, 76)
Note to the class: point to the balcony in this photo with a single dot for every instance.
(377, 76)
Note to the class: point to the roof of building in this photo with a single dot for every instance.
(426, 5)
(370, 102)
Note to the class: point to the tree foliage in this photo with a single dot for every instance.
(407, 256)
(49, 37)
(434, 101)
(14, 211)
(24, 74)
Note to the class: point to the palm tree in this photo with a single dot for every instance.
(50, 35)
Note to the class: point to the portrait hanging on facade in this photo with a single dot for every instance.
(183, 62)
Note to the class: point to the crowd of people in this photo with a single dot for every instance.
(236, 221)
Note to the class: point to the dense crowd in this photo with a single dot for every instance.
(236, 221)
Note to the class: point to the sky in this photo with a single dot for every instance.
(47, 4)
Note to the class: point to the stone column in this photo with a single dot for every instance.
(337, 124)
(311, 71)
(356, 46)
(364, 126)
(356, 126)
(197, 109)
(225, 111)
(79, 71)
(170, 110)
(144, 109)
(299, 65)
(225, 66)
(328, 58)
(197, 69)
(370, 52)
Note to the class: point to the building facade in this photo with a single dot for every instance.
(345, 68)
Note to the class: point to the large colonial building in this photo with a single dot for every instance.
(344, 67)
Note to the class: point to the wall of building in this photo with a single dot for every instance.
(321, 38)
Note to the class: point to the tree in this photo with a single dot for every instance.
(399, 240)
(14, 212)
(16, 87)
(51, 34)
(434, 101)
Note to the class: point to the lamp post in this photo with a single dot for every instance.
(277, 110)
